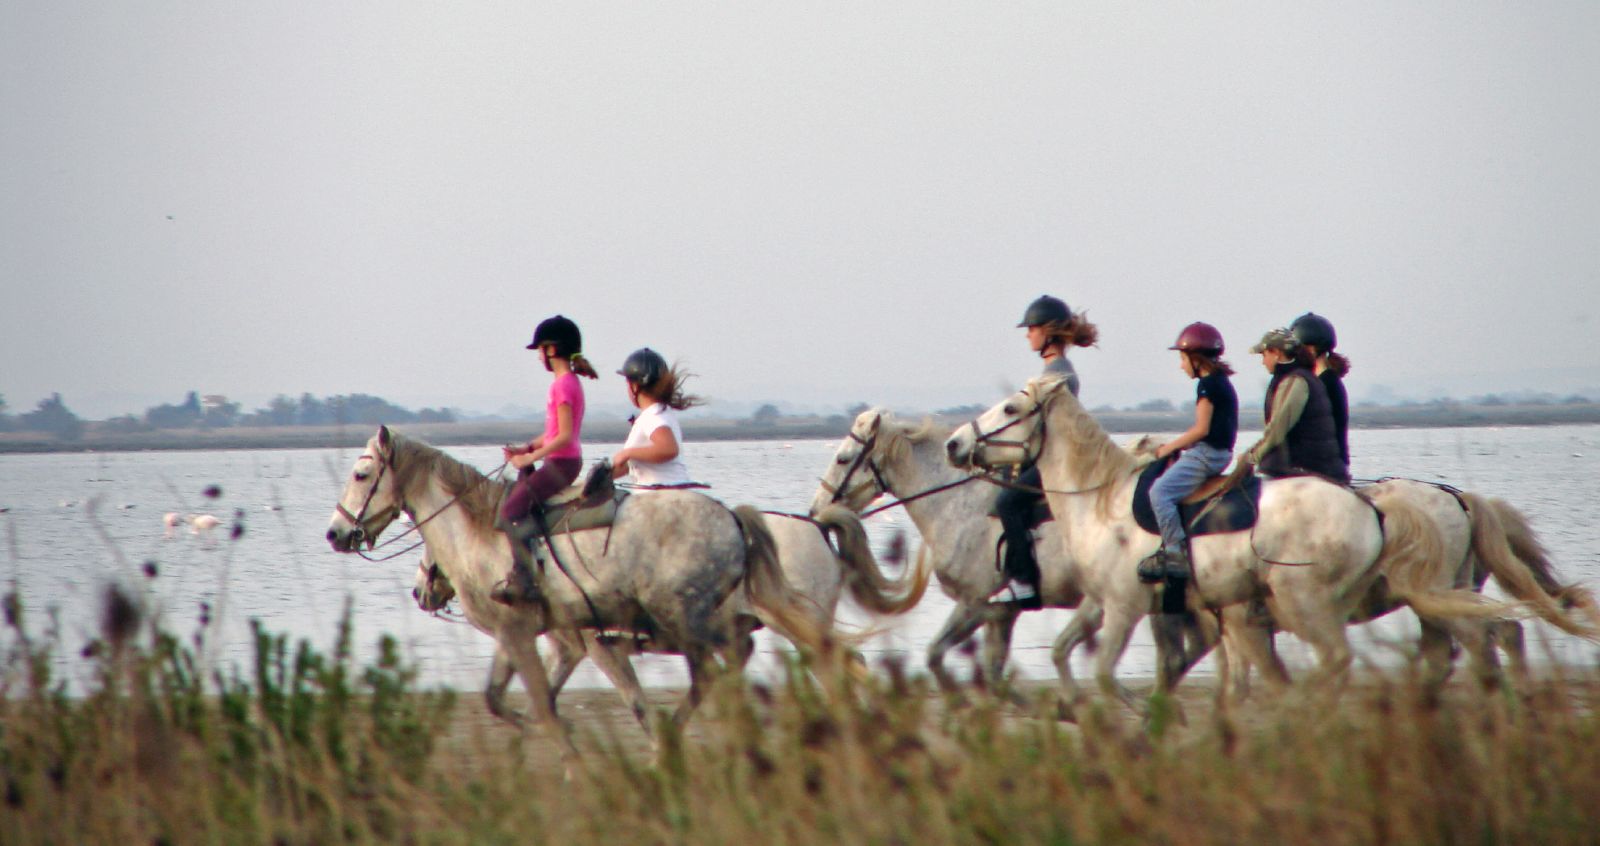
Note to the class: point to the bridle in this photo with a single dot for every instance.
(358, 519)
(1034, 443)
(843, 491)
(389, 514)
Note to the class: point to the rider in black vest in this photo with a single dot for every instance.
(1316, 332)
(1300, 436)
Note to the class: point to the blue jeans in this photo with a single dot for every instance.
(1192, 467)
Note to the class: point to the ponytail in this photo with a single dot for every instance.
(1075, 331)
(668, 390)
(1338, 365)
(1214, 363)
(581, 366)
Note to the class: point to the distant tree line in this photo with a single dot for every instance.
(51, 416)
(216, 412)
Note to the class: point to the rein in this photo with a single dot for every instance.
(415, 527)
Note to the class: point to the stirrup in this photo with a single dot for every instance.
(1153, 567)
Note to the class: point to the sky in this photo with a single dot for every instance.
(815, 203)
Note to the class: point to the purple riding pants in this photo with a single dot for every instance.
(533, 487)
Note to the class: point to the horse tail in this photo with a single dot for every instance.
(782, 607)
(1504, 542)
(1413, 566)
(866, 583)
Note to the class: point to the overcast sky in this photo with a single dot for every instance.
(826, 203)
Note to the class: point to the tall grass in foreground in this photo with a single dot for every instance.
(306, 748)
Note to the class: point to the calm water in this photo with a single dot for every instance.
(75, 522)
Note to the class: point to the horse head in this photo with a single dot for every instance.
(432, 591)
(854, 479)
(371, 499)
(1010, 433)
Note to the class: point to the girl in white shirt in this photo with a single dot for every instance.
(650, 454)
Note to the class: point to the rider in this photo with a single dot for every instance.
(560, 345)
(651, 452)
(1204, 449)
(1052, 327)
(1316, 333)
(1300, 437)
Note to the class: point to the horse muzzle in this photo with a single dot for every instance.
(347, 541)
(959, 448)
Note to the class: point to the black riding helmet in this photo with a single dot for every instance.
(1314, 330)
(644, 367)
(1044, 311)
(560, 332)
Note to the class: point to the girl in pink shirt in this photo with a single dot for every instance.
(522, 514)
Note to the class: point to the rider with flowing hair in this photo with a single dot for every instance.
(651, 452)
(1315, 332)
(560, 348)
(1052, 328)
(1204, 449)
(1300, 437)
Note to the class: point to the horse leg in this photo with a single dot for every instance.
(1117, 629)
(569, 654)
(997, 647)
(963, 621)
(1438, 654)
(1477, 637)
(1085, 622)
(1249, 638)
(614, 664)
(1311, 619)
(494, 692)
(524, 654)
(701, 668)
(1507, 635)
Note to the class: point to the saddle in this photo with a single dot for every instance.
(593, 505)
(1235, 512)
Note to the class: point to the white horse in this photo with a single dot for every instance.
(666, 565)
(811, 564)
(950, 508)
(1482, 538)
(1312, 556)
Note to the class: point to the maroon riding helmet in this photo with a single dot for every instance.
(1199, 337)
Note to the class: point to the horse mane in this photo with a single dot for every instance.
(1095, 458)
(415, 461)
(899, 436)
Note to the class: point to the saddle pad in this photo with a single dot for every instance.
(1235, 513)
(576, 516)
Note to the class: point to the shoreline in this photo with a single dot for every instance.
(490, 433)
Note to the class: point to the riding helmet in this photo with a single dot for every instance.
(644, 367)
(1281, 340)
(1199, 337)
(560, 332)
(1044, 311)
(1314, 330)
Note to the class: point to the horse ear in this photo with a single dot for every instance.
(385, 441)
(877, 420)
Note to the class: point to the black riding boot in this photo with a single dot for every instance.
(1164, 564)
(521, 587)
